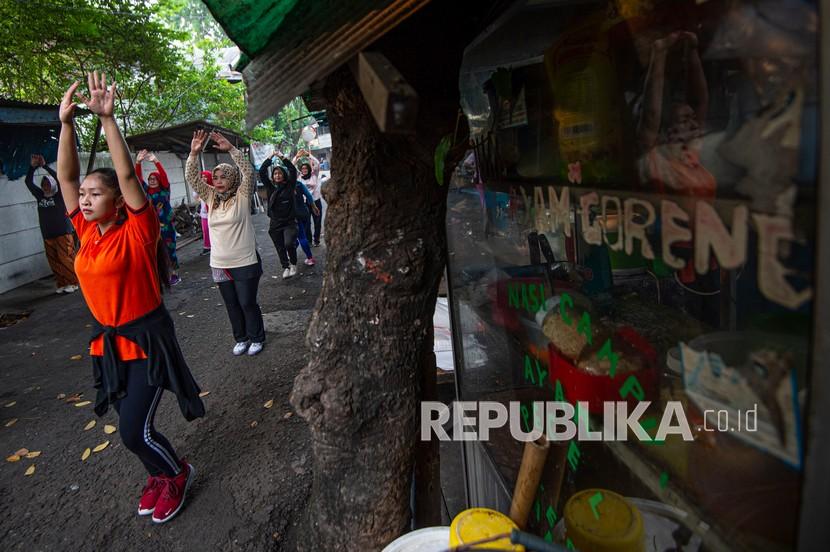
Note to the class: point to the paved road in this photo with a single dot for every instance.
(253, 463)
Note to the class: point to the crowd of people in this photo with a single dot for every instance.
(125, 258)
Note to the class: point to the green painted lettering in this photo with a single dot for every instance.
(613, 358)
(529, 370)
(550, 515)
(513, 296)
(632, 387)
(565, 302)
(573, 455)
(558, 392)
(584, 327)
(534, 299)
(540, 373)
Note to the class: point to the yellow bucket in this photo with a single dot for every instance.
(476, 524)
(603, 521)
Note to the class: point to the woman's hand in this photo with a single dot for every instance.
(66, 112)
(38, 160)
(197, 144)
(142, 155)
(101, 101)
(153, 158)
(222, 143)
(315, 210)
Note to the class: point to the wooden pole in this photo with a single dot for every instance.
(530, 473)
(94, 150)
(427, 454)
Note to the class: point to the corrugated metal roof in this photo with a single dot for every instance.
(305, 42)
(177, 138)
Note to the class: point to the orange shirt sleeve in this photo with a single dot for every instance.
(144, 222)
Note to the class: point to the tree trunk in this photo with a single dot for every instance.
(385, 234)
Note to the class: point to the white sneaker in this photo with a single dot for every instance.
(285, 274)
(70, 289)
(292, 270)
(255, 348)
(240, 348)
(62, 290)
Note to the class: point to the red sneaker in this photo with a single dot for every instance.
(173, 492)
(149, 496)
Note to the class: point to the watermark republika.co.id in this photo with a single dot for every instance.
(563, 421)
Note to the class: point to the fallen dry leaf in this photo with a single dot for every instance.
(76, 357)
(11, 404)
(86, 454)
(13, 458)
(11, 422)
(61, 396)
(30, 470)
(109, 429)
(22, 452)
(191, 315)
(75, 397)
(82, 403)
(204, 393)
(254, 423)
(287, 415)
(101, 447)
(269, 404)
(90, 425)
(33, 454)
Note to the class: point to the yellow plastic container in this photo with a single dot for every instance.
(480, 523)
(598, 520)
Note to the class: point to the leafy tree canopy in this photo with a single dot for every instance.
(161, 54)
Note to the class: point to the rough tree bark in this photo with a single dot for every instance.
(385, 234)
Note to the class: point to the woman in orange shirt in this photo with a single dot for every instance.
(135, 355)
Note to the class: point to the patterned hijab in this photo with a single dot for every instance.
(232, 174)
(53, 185)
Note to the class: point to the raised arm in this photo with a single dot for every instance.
(138, 174)
(246, 171)
(69, 165)
(49, 169)
(164, 182)
(648, 127)
(264, 174)
(315, 164)
(697, 80)
(30, 178)
(101, 102)
(192, 170)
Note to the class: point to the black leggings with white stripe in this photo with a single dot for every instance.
(136, 412)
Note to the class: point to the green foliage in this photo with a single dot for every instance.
(289, 123)
(161, 54)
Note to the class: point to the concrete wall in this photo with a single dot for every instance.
(22, 257)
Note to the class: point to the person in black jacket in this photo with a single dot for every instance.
(281, 183)
(54, 226)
